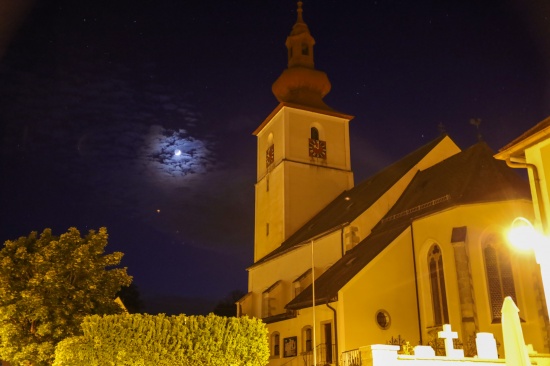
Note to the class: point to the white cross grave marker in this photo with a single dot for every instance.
(448, 336)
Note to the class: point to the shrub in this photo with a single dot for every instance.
(143, 340)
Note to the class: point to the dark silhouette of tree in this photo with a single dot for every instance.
(130, 297)
(226, 306)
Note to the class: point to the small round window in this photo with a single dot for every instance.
(383, 319)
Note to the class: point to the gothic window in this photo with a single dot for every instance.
(500, 281)
(314, 133)
(275, 345)
(437, 286)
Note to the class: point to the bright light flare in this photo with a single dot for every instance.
(524, 236)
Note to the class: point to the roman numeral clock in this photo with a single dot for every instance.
(317, 148)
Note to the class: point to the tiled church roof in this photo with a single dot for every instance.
(341, 210)
(472, 176)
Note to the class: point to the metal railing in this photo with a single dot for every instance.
(326, 355)
(351, 358)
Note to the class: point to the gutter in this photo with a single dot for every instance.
(538, 191)
(335, 332)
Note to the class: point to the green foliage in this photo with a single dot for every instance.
(48, 284)
(160, 340)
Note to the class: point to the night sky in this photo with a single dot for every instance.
(138, 115)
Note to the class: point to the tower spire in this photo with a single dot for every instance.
(301, 83)
(300, 11)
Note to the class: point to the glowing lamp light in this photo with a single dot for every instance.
(523, 235)
(177, 152)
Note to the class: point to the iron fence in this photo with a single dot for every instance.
(351, 358)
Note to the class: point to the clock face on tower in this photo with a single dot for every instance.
(317, 149)
(270, 155)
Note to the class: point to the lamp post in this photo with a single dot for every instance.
(523, 235)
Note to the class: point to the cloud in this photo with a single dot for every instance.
(113, 138)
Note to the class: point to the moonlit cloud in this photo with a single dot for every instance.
(175, 154)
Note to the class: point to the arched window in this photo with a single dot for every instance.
(437, 286)
(500, 281)
(307, 336)
(314, 133)
(275, 345)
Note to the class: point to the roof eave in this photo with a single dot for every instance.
(304, 108)
(516, 148)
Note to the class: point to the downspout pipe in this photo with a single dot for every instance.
(538, 191)
(335, 332)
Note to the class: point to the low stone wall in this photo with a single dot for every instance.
(386, 355)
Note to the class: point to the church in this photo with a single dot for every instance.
(420, 244)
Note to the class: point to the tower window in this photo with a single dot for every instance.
(267, 229)
(305, 49)
(437, 285)
(314, 133)
(270, 155)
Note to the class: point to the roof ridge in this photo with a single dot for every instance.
(345, 204)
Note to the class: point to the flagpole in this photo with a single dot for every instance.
(313, 305)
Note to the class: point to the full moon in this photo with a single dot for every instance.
(177, 152)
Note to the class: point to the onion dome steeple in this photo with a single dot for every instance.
(301, 83)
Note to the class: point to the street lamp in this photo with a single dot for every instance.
(524, 236)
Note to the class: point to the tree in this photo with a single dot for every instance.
(130, 297)
(48, 284)
(227, 307)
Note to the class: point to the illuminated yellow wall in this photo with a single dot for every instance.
(386, 283)
(288, 267)
(296, 186)
(481, 220)
(295, 328)
(539, 155)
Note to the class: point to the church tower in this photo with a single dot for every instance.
(303, 156)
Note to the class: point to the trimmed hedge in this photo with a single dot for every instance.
(160, 340)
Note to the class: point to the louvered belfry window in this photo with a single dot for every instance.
(437, 285)
(500, 280)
